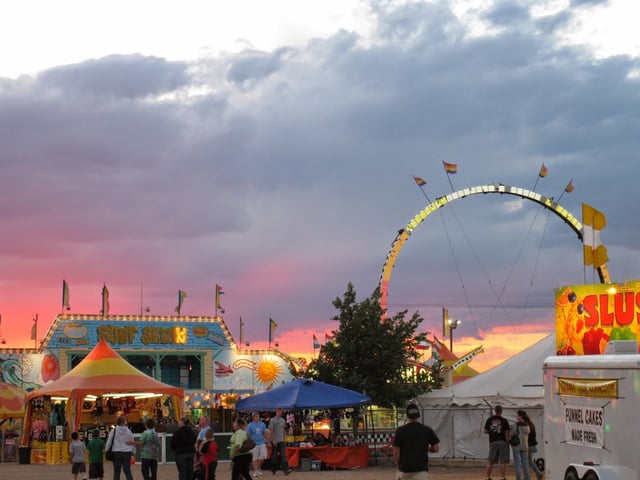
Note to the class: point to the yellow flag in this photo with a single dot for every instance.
(593, 222)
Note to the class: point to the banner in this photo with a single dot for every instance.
(584, 426)
(588, 316)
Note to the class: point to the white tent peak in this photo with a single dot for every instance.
(458, 412)
(515, 382)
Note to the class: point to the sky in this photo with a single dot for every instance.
(270, 148)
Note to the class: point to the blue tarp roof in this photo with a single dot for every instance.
(303, 393)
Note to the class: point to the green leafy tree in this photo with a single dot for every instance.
(371, 351)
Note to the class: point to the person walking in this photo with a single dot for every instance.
(150, 442)
(241, 460)
(95, 447)
(277, 426)
(257, 431)
(520, 430)
(532, 442)
(121, 442)
(497, 427)
(183, 444)
(412, 443)
(76, 452)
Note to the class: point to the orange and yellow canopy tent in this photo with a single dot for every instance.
(11, 401)
(101, 372)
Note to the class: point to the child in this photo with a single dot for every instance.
(209, 455)
(96, 453)
(76, 450)
(150, 450)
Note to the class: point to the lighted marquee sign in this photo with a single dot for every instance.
(196, 332)
(404, 233)
(588, 316)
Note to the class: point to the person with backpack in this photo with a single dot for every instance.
(121, 443)
(150, 442)
(533, 441)
(519, 441)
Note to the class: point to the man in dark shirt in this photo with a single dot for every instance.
(183, 443)
(498, 429)
(411, 444)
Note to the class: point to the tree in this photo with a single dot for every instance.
(371, 351)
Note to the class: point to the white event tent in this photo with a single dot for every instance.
(458, 412)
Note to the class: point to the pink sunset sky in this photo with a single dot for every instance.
(279, 163)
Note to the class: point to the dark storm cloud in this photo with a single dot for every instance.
(506, 15)
(287, 174)
(250, 67)
(122, 76)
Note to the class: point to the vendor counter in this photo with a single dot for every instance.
(356, 456)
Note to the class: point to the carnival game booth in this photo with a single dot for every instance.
(11, 413)
(302, 394)
(91, 396)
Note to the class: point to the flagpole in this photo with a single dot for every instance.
(450, 182)
(35, 332)
(536, 183)
(543, 172)
(425, 194)
(420, 183)
(565, 190)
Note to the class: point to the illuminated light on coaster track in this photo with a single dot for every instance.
(404, 233)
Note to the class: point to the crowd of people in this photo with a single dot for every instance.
(196, 451)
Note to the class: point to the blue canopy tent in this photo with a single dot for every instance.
(303, 393)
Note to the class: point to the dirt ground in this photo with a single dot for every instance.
(439, 471)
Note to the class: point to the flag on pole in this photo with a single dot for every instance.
(316, 343)
(272, 329)
(218, 293)
(328, 338)
(422, 345)
(569, 187)
(65, 295)
(544, 171)
(450, 168)
(34, 328)
(105, 300)
(593, 222)
(421, 182)
(181, 296)
(241, 329)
